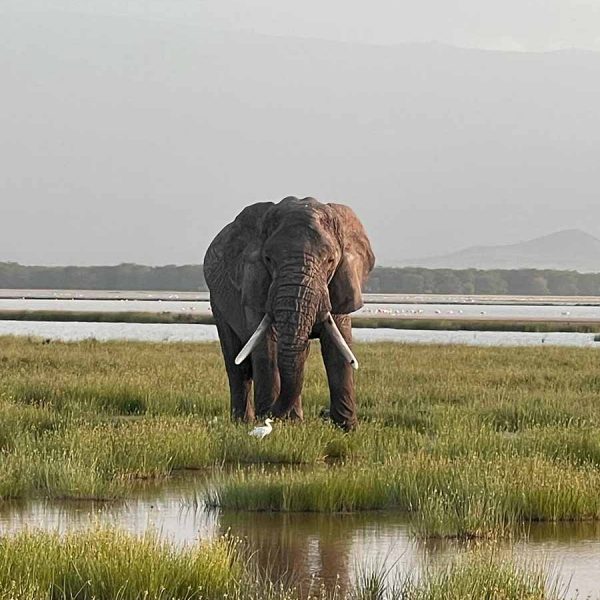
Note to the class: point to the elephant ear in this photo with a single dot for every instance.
(357, 261)
(242, 256)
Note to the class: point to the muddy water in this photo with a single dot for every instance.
(310, 549)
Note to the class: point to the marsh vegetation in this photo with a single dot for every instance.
(108, 564)
(361, 322)
(469, 442)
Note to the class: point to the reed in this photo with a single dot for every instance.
(481, 576)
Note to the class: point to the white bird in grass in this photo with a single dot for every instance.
(261, 432)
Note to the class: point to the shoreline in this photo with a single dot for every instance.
(369, 298)
(417, 322)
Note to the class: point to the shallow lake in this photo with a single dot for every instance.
(163, 332)
(313, 548)
(407, 309)
(402, 306)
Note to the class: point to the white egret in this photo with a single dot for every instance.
(261, 432)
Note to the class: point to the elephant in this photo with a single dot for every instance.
(280, 275)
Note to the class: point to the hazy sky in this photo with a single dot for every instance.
(527, 25)
(132, 131)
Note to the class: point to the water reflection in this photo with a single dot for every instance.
(309, 549)
(315, 549)
(170, 509)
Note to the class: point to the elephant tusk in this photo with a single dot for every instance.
(339, 341)
(253, 341)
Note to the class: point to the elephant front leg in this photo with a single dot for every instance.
(265, 375)
(288, 409)
(340, 375)
(239, 376)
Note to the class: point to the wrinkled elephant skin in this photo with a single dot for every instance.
(280, 275)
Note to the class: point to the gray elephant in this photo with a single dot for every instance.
(280, 275)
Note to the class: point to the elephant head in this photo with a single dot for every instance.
(309, 260)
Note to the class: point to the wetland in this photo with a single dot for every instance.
(461, 451)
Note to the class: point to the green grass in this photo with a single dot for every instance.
(480, 577)
(462, 497)
(110, 564)
(473, 442)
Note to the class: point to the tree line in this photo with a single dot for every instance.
(413, 280)
(529, 282)
(126, 276)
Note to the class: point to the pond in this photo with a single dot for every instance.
(312, 549)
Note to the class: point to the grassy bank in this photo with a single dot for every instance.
(482, 324)
(473, 442)
(370, 322)
(84, 316)
(110, 564)
(463, 497)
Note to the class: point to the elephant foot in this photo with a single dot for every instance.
(264, 414)
(243, 417)
(291, 413)
(348, 425)
(325, 414)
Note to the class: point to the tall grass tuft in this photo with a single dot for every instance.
(478, 577)
(111, 564)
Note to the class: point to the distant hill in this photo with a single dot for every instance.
(571, 249)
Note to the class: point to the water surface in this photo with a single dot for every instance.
(183, 332)
(309, 548)
(454, 306)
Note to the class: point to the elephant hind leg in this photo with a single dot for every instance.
(240, 376)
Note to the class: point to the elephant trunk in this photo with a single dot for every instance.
(296, 305)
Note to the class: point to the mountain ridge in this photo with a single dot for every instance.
(566, 249)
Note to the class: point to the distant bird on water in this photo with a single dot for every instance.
(261, 432)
